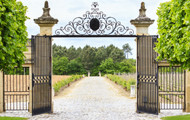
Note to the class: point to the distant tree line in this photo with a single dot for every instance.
(107, 60)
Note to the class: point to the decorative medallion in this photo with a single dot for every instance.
(94, 23)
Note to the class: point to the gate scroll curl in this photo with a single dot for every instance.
(94, 23)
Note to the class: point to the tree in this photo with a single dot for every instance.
(107, 66)
(75, 67)
(101, 55)
(117, 55)
(78, 52)
(71, 53)
(127, 50)
(88, 57)
(128, 66)
(13, 35)
(59, 51)
(173, 28)
(109, 49)
(60, 65)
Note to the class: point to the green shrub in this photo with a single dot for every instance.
(125, 83)
(57, 86)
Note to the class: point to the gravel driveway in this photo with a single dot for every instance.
(94, 98)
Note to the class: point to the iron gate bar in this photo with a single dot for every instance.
(172, 87)
(96, 36)
(147, 81)
(87, 36)
(41, 74)
(99, 36)
(15, 89)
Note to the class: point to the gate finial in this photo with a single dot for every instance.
(142, 22)
(46, 21)
(46, 5)
(46, 10)
(95, 7)
(46, 14)
(142, 11)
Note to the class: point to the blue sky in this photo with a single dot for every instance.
(67, 10)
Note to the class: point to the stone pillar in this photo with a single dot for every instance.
(133, 93)
(1, 93)
(46, 23)
(88, 73)
(187, 92)
(100, 74)
(142, 23)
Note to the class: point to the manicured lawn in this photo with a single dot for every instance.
(179, 117)
(12, 118)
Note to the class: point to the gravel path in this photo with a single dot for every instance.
(94, 98)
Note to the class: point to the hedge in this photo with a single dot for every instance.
(57, 86)
(125, 83)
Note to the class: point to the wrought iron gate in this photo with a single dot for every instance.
(171, 88)
(41, 74)
(16, 89)
(147, 80)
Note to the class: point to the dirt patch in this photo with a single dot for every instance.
(57, 78)
(67, 89)
(122, 91)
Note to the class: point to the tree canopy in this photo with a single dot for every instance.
(127, 50)
(13, 35)
(80, 60)
(174, 30)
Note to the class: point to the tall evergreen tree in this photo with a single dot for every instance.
(127, 50)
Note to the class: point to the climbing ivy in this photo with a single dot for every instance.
(13, 35)
(174, 30)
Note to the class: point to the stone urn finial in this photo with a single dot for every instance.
(46, 17)
(142, 5)
(46, 10)
(142, 11)
(142, 22)
(46, 4)
(46, 21)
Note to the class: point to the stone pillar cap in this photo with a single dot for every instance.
(46, 17)
(142, 19)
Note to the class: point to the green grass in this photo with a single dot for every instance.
(179, 117)
(57, 86)
(12, 118)
(119, 80)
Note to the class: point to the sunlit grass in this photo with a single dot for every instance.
(179, 117)
(13, 118)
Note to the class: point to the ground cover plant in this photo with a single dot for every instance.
(57, 86)
(124, 83)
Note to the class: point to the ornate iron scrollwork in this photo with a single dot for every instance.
(94, 23)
